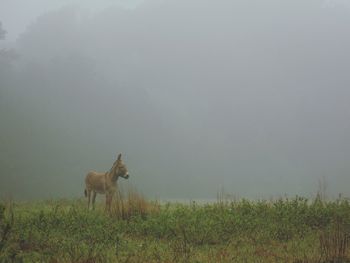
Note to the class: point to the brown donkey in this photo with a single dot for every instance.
(105, 183)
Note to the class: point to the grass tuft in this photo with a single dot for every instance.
(132, 204)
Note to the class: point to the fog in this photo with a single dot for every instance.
(247, 96)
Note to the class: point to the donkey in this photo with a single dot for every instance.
(105, 183)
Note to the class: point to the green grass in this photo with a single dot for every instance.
(288, 230)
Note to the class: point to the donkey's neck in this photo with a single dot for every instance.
(110, 177)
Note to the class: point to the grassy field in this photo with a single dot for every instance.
(285, 230)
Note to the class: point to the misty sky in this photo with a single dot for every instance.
(246, 95)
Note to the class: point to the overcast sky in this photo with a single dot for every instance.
(248, 95)
(18, 14)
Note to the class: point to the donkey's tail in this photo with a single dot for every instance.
(85, 192)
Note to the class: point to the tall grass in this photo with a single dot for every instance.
(335, 241)
(137, 230)
(132, 204)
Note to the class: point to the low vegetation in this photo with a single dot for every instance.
(285, 230)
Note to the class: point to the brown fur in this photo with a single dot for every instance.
(105, 183)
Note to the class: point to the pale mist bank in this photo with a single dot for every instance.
(250, 96)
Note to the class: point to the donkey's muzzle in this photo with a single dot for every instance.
(126, 176)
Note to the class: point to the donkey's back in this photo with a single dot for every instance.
(96, 182)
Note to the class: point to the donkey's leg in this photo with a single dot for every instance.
(108, 202)
(93, 200)
(89, 196)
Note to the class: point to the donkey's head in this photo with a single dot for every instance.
(119, 169)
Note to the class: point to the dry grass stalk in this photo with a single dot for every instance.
(132, 204)
(335, 243)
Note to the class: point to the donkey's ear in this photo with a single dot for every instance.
(119, 157)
